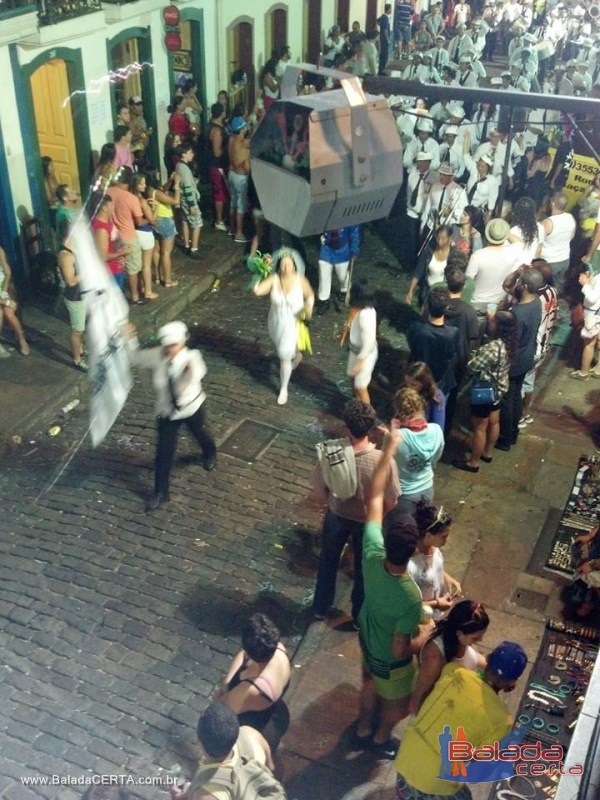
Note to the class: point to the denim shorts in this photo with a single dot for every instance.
(238, 188)
(165, 227)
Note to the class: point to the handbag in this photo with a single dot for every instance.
(483, 393)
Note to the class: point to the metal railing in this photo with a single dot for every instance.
(52, 11)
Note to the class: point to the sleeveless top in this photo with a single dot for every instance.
(212, 160)
(557, 245)
(258, 719)
(114, 264)
(468, 660)
(71, 293)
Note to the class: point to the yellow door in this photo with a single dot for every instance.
(54, 121)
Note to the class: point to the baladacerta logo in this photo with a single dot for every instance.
(463, 762)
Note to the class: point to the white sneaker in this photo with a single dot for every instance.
(4, 352)
(283, 397)
(220, 226)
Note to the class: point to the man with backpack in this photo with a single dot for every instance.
(237, 762)
(342, 478)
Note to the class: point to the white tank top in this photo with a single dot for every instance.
(556, 246)
(468, 661)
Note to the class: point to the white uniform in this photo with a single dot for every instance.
(444, 205)
(363, 346)
(481, 192)
(417, 146)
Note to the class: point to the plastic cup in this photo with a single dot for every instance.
(492, 308)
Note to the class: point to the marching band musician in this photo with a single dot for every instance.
(445, 202)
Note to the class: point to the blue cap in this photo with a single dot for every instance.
(508, 660)
(236, 124)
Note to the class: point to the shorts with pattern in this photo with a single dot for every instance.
(218, 181)
(192, 215)
(406, 792)
(76, 309)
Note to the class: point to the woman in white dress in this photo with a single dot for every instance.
(362, 339)
(292, 298)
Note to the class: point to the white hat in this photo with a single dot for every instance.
(446, 169)
(423, 156)
(173, 333)
(456, 111)
(486, 160)
(451, 130)
(424, 124)
(571, 63)
(495, 81)
(440, 38)
(464, 59)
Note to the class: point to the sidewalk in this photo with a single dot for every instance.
(49, 380)
(498, 534)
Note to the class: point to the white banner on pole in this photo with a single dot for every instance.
(106, 314)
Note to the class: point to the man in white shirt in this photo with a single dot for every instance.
(177, 375)
(559, 229)
(423, 142)
(445, 202)
(482, 186)
(451, 151)
(410, 71)
(427, 73)
(418, 185)
(466, 76)
(479, 29)
(459, 44)
(439, 54)
(492, 264)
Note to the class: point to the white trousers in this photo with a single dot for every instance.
(325, 271)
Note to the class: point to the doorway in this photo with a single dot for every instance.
(343, 15)
(54, 105)
(130, 56)
(312, 30)
(371, 20)
(278, 25)
(241, 59)
(188, 62)
(54, 120)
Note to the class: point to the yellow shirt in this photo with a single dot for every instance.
(459, 698)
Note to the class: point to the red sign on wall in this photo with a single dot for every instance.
(171, 15)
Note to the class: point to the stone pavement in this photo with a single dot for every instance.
(115, 627)
(47, 375)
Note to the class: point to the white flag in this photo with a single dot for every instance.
(106, 314)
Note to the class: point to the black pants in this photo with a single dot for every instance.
(167, 442)
(511, 407)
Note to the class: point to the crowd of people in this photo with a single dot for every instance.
(486, 278)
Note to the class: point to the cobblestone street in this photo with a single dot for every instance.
(116, 626)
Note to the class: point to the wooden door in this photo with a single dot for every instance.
(312, 44)
(371, 20)
(343, 15)
(278, 28)
(54, 120)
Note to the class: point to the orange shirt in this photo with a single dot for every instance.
(127, 208)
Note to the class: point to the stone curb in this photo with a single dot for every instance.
(147, 326)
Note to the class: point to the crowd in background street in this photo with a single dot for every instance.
(495, 253)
